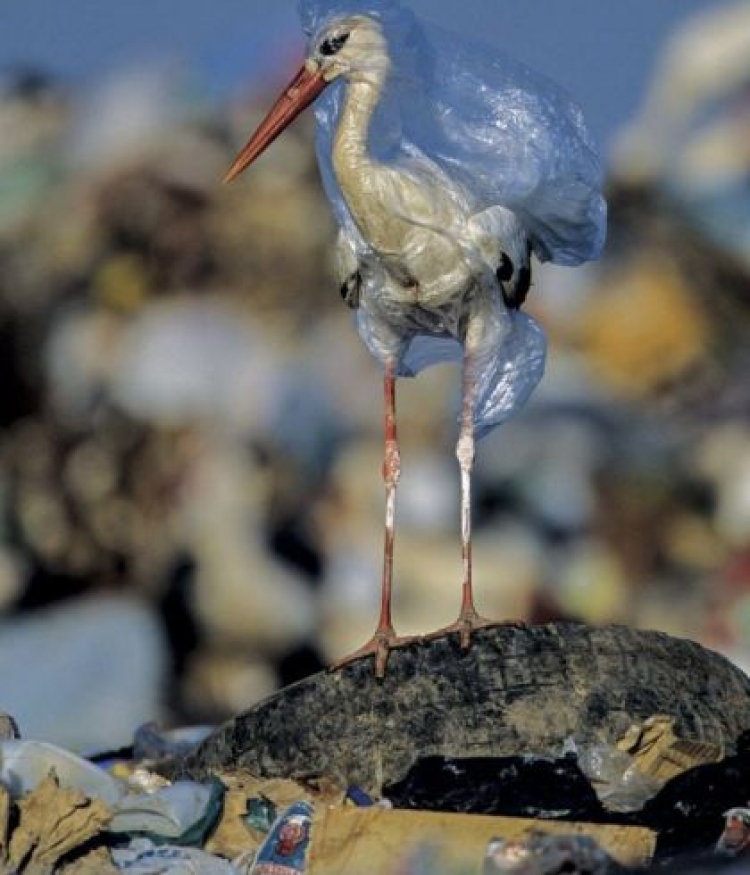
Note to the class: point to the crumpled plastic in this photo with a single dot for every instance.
(143, 857)
(181, 813)
(616, 778)
(24, 764)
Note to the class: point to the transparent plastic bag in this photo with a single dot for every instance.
(616, 779)
(490, 160)
(510, 135)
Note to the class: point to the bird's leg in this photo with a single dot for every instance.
(385, 637)
(465, 454)
(468, 617)
(391, 475)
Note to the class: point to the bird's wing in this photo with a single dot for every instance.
(509, 136)
(504, 245)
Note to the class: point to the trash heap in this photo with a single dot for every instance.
(598, 810)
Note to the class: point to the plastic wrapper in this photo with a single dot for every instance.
(482, 160)
(285, 850)
(25, 764)
(182, 813)
(616, 778)
(143, 857)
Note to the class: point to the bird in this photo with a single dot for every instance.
(448, 165)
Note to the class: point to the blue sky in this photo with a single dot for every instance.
(600, 50)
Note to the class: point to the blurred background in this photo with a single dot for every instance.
(190, 434)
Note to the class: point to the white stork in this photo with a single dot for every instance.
(447, 165)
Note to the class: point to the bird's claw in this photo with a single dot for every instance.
(379, 646)
(468, 622)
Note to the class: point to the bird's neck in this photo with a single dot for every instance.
(359, 175)
(350, 152)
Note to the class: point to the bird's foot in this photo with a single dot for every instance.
(379, 646)
(468, 622)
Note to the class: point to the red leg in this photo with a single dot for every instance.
(385, 637)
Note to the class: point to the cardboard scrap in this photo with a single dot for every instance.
(53, 821)
(660, 753)
(375, 841)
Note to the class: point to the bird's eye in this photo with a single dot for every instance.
(333, 44)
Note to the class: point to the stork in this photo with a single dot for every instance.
(446, 173)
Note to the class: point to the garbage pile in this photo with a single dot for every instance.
(649, 800)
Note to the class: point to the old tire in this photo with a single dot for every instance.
(515, 691)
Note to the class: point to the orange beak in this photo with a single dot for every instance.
(297, 96)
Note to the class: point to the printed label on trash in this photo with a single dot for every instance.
(284, 852)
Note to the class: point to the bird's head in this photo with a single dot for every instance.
(351, 47)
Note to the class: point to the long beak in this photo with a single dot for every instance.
(297, 96)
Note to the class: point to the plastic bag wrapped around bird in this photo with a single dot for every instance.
(509, 135)
(508, 167)
(448, 166)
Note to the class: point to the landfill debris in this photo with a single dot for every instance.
(182, 813)
(252, 806)
(98, 861)
(285, 850)
(500, 813)
(614, 774)
(261, 814)
(372, 841)
(689, 138)
(660, 753)
(139, 779)
(143, 857)
(25, 764)
(52, 822)
(519, 786)
(357, 796)
(735, 839)
(689, 810)
(547, 855)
